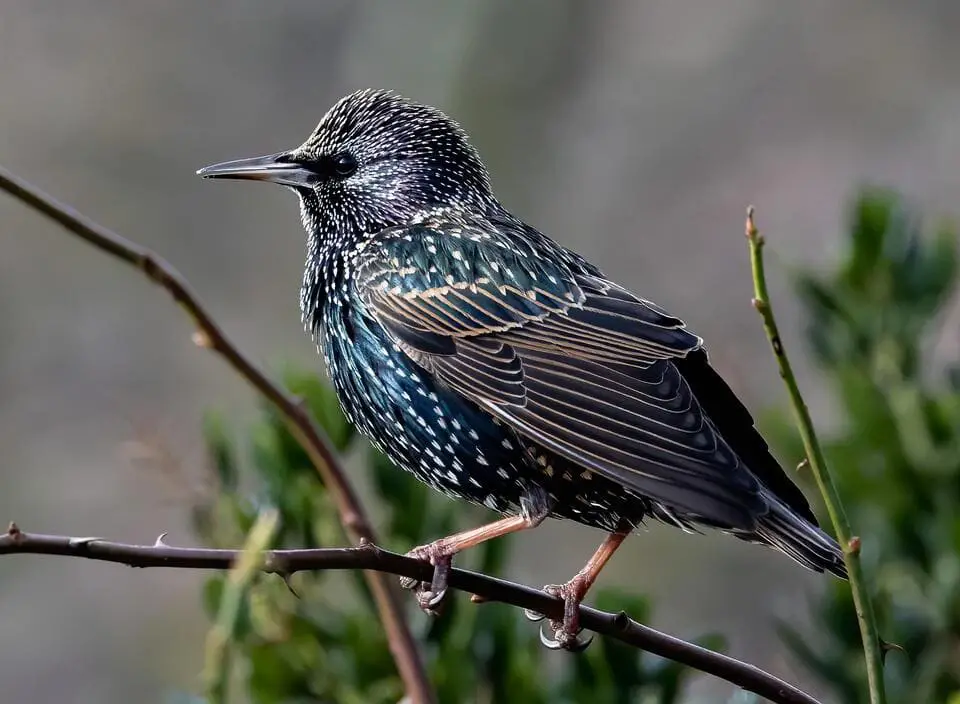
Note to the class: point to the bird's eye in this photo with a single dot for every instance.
(344, 164)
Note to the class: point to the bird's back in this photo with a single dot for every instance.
(490, 362)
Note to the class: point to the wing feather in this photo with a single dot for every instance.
(573, 361)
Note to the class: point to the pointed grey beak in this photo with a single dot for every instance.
(276, 168)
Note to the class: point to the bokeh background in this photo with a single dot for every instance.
(636, 132)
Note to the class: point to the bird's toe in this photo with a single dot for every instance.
(565, 633)
(430, 595)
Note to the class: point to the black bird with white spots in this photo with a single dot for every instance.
(503, 369)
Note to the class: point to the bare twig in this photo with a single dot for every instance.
(872, 646)
(368, 557)
(307, 433)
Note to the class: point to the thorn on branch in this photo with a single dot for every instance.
(275, 564)
(853, 546)
(803, 465)
(287, 577)
(160, 542)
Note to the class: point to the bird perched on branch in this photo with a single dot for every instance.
(504, 369)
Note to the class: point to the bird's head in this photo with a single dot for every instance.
(374, 161)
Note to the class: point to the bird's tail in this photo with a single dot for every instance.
(800, 539)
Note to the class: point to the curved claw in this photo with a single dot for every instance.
(533, 616)
(564, 641)
(551, 643)
(566, 632)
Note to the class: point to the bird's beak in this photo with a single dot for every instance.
(275, 168)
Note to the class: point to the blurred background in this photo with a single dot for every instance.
(635, 132)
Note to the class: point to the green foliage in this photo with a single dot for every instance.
(896, 456)
(327, 645)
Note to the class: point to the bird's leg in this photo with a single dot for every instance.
(567, 630)
(534, 508)
(440, 554)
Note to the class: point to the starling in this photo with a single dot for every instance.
(501, 368)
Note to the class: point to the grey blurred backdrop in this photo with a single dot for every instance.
(636, 132)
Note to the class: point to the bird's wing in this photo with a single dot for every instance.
(568, 359)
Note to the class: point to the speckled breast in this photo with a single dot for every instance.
(442, 438)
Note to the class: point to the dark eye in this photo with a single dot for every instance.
(344, 164)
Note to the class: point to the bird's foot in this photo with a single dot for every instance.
(430, 596)
(564, 634)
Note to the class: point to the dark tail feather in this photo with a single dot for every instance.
(793, 535)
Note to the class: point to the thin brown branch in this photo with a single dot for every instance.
(310, 436)
(368, 557)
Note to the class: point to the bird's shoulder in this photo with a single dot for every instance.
(458, 276)
(468, 251)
